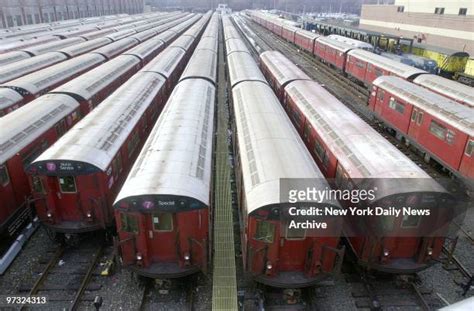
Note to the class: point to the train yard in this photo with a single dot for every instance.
(154, 151)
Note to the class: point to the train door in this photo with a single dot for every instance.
(162, 236)
(467, 162)
(66, 197)
(293, 249)
(416, 122)
(379, 101)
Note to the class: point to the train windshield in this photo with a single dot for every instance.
(128, 223)
(265, 231)
(162, 222)
(67, 184)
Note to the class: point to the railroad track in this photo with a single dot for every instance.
(389, 292)
(66, 276)
(169, 294)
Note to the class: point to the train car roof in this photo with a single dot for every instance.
(167, 62)
(95, 140)
(12, 57)
(352, 42)
(90, 83)
(98, 34)
(270, 148)
(53, 46)
(445, 109)
(236, 45)
(184, 42)
(463, 305)
(37, 81)
(115, 48)
(176, 159)
(203, 64)
(338, 45)
(209, 43)
(282, 68)
(308, 34)
(230, 32)
(362, 151)
(449, 88)
(18, 69)
(400, 69)
(146, 48)
(144, 35)
(84, 47)
(8, 98)
(242, 67)
(24, 125)
(120, 34)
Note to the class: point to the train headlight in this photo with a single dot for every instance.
(139, 257)
(89, 215)
(49, 215)
(386, 253)
(268, 267)
(187, 259)
(430, 251)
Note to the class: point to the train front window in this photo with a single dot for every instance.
(295, 233)
(410, 221)
(67, 184)
(265, 231)
(37, 184)
(4, 177)
(128, 223)
(163, 222)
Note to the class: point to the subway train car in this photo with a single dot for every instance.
(338, 141)
(163, 209)
(26, 133)
(438, 126)
(267, 148)
(454, 90)
(77, 179)
(89, 164)
(60, 119)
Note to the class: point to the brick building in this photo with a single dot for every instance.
(444, 23)
(26, 12)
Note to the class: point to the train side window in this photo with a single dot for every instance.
(67, 184)
(265, 231)
(396, 105)
(295, 233)
(128, 223)
(414, 115)
(37, 184)
(307, 131)
(411, 221)
(470, 148)
(438, 130)
(132, 144)
(321, 152)
(4, 177)
(450, 136)
(420, 118)
(163, 222)
(61, 128)
(117, 164)
(380, 94)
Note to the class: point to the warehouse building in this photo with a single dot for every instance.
(26, 12)
(448, 24)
